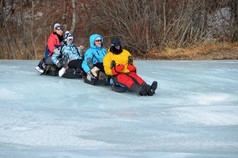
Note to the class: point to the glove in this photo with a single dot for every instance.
(131, 68)
(57, 51)
(118, 69)
(64, 59)
(113, 64)
(81, 47)
(130, 60)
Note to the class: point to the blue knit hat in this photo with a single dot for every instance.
(68, 36)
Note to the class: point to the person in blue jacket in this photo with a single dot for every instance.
(70, 56)
(93, 60)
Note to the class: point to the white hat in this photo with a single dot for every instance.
(98, 38)
(56, 25)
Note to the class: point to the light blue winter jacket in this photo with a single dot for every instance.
(95, 53)
(70, 50)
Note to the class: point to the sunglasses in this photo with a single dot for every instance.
(98, 40)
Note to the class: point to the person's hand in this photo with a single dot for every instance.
(57, 51)
(130, 60)
(113, 64)
(81, 47)
(117, 69)
(131, 68)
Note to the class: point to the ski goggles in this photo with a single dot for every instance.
(70, 39)
(59, 28)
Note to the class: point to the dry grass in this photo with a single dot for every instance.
(220, 51)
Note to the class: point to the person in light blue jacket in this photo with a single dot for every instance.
(70, 56)
(93, 60)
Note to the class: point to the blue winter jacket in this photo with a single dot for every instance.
(70, 50)
(95, 53)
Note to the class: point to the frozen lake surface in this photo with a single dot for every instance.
(194, 113)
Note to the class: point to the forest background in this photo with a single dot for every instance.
(149, 29)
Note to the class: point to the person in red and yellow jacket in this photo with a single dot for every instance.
(119, 64)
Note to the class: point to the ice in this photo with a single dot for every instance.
(192, 115)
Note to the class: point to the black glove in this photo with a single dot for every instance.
(64, 59)
(130, 60)
(113, 64)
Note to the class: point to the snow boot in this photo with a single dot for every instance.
(139, 89)
(148, 89)
(153, 88)
(62, 71)
(41, 67)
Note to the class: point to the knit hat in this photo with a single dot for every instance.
(115, 41)
(69, 36)
(66, 35)
(57, 26)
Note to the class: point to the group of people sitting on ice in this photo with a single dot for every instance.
(96, 65)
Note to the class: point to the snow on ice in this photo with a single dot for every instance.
(192, 115)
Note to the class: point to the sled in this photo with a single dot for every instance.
(95, 81)
(118, 88)
(71, 73)
(51, 70)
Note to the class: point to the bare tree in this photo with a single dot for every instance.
(234, 20)
(143, 25)
(73, 17)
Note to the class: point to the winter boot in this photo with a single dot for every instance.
(139, 89)
(148, 89)
(62, 71)
(153, 88)
(41, 66)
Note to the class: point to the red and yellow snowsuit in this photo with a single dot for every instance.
(124, 77)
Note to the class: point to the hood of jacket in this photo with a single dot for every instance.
(92, 40)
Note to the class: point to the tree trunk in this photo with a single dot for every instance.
(1, 31)
(32, 31)
(234, 20)
(73, 18)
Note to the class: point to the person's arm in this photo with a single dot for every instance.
(51, 43)
(85, 65)
(54, 58)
